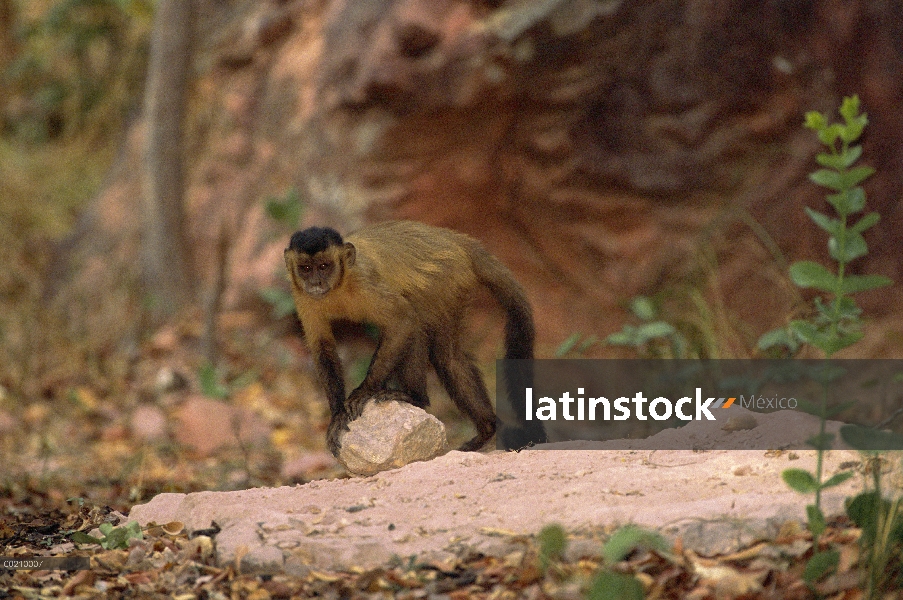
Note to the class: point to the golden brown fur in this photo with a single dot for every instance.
(414, 282)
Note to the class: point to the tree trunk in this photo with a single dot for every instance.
(165, 253)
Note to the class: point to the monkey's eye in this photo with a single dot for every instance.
(323, 266)
(304, 268)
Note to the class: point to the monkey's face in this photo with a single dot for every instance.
(315, 274)
(317, 259)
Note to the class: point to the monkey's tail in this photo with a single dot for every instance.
(520, 333)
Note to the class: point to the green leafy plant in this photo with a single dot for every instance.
(576, 345)
(280, 300)
(552, 543)
(656, 338)
(113, 537)
(607, 584)
(836, 323)
(213, 384)
(881, 522)
(287, 211)
(611, 585)
(879, 518)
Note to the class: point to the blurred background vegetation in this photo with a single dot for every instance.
(71, 68)
(71, 75)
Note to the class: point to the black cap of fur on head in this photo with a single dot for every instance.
(314, 239)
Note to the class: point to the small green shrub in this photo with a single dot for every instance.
(611, 585)
(652, 338)
(836, 322)
(552, 543)
(113, 537)
(576, 345)
(213, 383)
(287, 211)
(606, 584)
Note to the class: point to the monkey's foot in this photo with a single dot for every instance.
(474, 444)
(517, 438)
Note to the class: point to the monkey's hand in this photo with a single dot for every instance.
(392, 396)
(337, 425)
(356, 402)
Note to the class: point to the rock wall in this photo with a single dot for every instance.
(602, 149)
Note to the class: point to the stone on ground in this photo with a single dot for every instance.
(390, 434)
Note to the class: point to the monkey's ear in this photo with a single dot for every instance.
(350, 253)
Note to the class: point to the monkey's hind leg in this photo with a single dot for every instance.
(412, 372)
(464, 384)
(407, 383)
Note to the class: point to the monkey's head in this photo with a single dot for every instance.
(316, 259)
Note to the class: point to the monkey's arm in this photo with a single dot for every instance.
(329, 372)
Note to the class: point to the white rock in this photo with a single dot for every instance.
(388, 435)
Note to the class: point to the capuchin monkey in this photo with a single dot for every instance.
(413, 282)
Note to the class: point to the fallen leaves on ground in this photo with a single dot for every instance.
(76, 459)
(170, 561)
